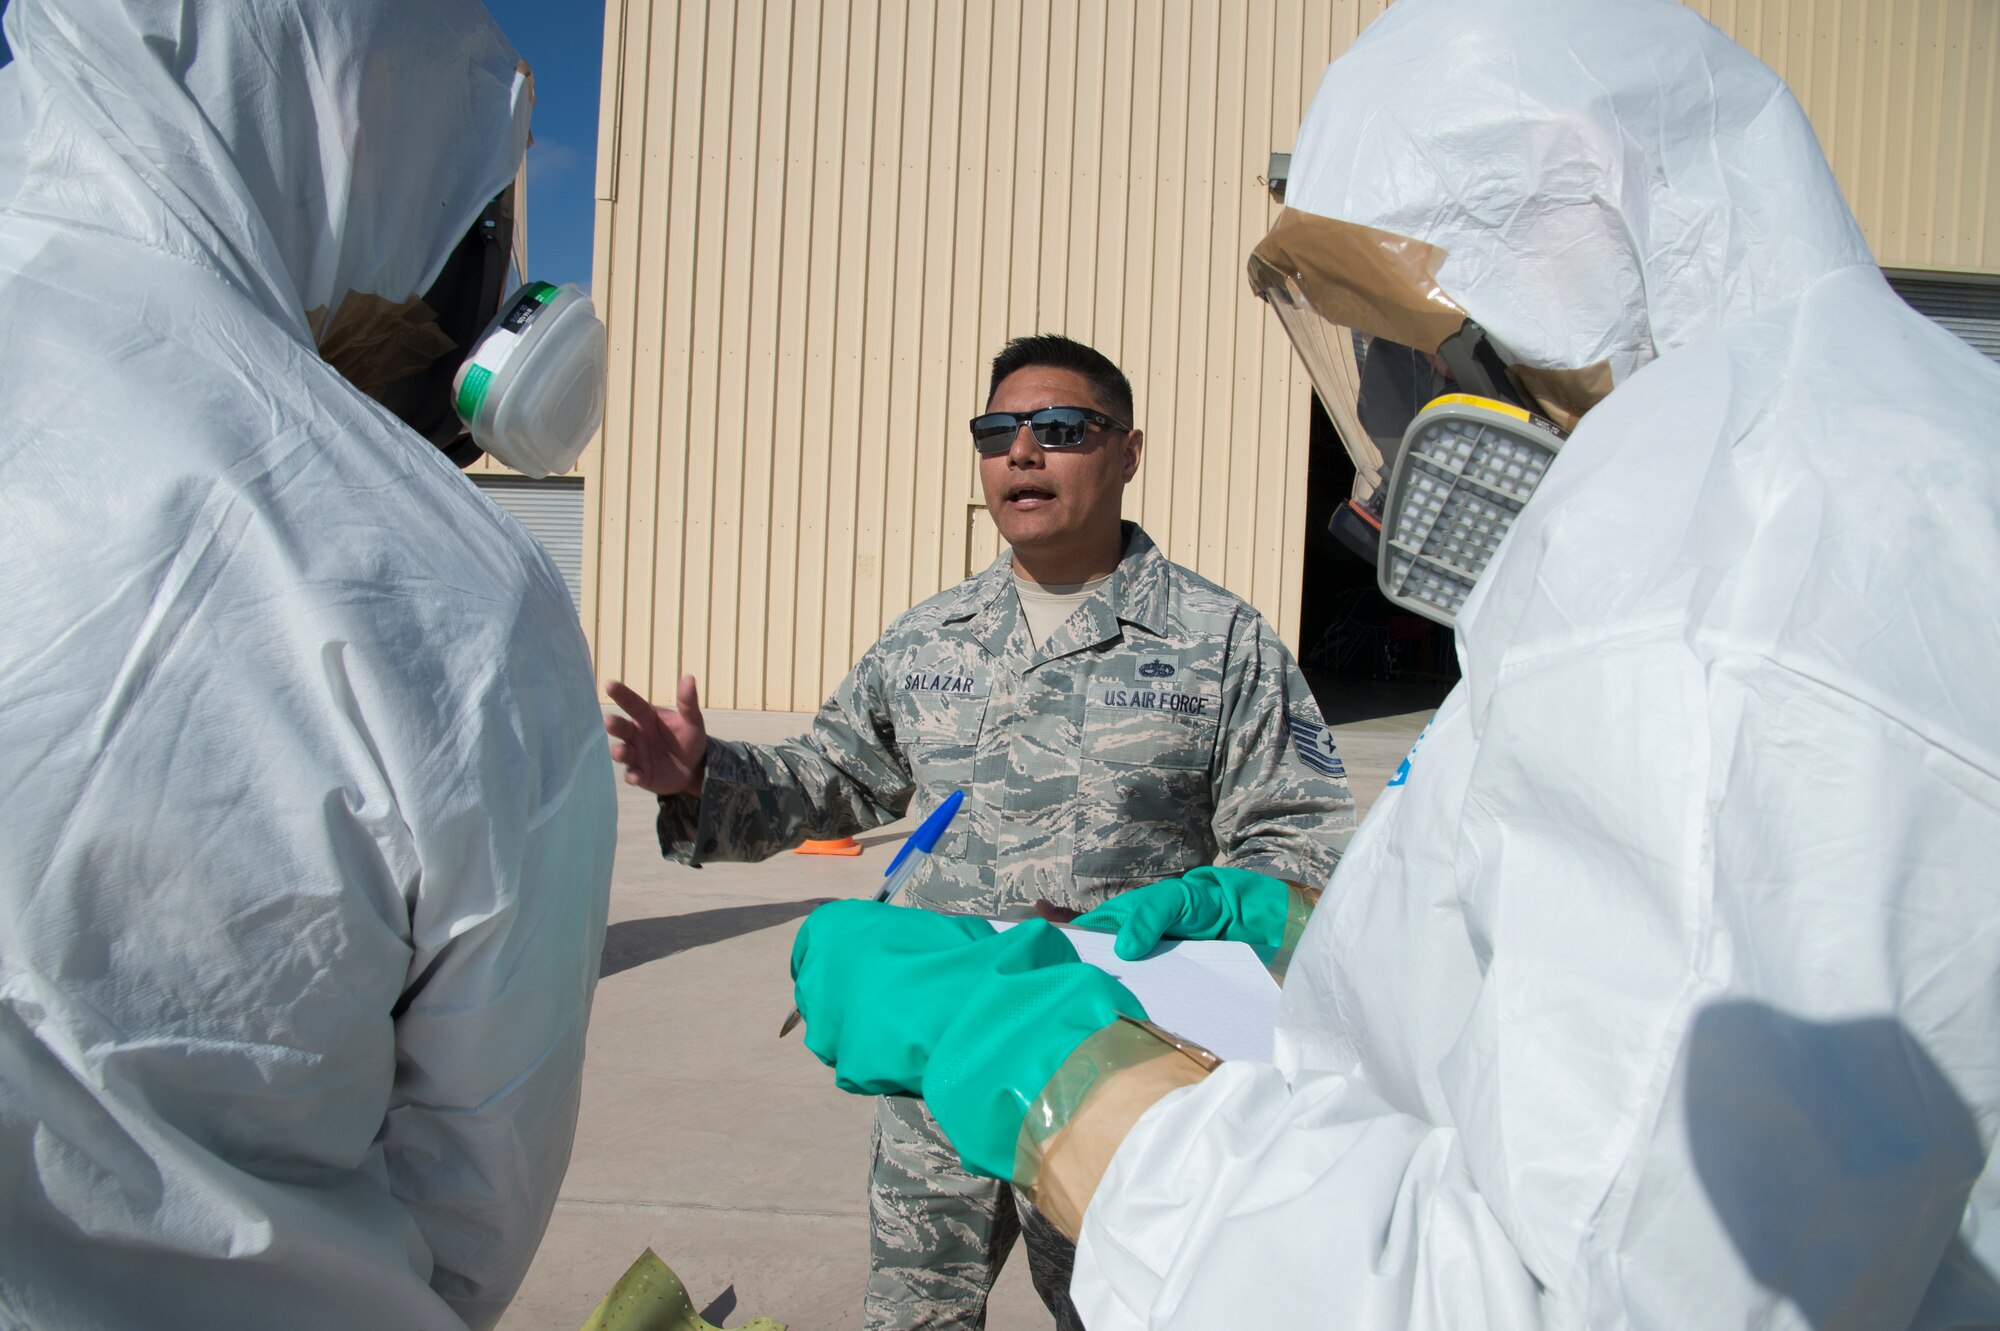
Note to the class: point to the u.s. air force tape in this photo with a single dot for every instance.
(1151, 700)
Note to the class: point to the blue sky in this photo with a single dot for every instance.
(564, 45)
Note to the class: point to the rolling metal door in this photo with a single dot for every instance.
(1970, 309)
(552, 511)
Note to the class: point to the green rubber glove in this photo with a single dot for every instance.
(877, 984)
(902, 1001)
(1209, 902)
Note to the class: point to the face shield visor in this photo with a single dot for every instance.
(536, 361)
(1381, 342)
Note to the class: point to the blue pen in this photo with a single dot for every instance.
(904, 867)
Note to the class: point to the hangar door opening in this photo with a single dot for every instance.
(1363, 656)
(552, 511)
(1967, 306)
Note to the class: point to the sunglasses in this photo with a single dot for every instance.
(1053, 427)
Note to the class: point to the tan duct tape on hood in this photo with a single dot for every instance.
(374, 342)
(1564, 395)
(1380, 284)
(1383, 285)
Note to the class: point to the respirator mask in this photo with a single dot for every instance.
(520, 379)
(1463, 471)
(1449, 435)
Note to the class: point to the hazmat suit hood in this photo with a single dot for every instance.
(1601, 192)
(329, 186)
(308, 803)
(1661, 984)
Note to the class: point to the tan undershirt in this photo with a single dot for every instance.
(1046, 605)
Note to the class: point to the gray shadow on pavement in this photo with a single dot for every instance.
(718, 1311)
(630, 943)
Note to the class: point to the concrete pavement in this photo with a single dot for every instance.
(702, 1135)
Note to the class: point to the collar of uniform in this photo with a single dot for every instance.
(1135, 594)
(978, 594)
(980, 599)
(1139, 584)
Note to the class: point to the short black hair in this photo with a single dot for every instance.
(1054, 351)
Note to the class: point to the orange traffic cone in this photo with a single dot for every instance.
(844, 846)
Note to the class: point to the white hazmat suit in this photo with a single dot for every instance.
(308, 809)
(1662, 988)
(13, 139)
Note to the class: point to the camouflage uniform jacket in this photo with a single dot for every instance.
(1162, 726)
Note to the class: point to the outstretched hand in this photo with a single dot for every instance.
(662, 748)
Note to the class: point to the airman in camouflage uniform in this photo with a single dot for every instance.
(1160, 727)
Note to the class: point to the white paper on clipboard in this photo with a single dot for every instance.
(1213, 993)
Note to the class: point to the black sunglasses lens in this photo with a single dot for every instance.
(994, 433)
(1058, 427)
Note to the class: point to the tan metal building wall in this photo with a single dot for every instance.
(818, 219)
(1905, 95)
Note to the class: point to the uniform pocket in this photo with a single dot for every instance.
(936, 718)
(1149, 728)
(939, 737)
(1135, 821)
(1146, 801)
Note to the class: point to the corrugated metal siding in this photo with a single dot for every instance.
(552, 511)
(818, 219)
(1970, 309)
(1905, 95)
